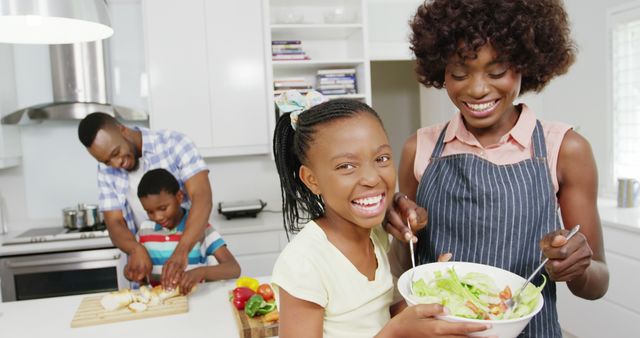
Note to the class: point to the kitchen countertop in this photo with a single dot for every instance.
(266, 221)
(621, 218)
(209, 315)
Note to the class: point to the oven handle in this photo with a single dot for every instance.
(60, 261)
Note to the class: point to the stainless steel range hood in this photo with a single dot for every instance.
(81, 86)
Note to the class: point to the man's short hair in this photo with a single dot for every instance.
(91, 124)
(155, 181)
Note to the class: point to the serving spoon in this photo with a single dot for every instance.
(511, 302)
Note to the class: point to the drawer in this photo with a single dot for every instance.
(623, 282)
(621, 242)
(253, 243)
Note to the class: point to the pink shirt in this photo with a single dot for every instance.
(513, 147)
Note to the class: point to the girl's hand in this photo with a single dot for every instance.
(189, 279)
(420, 321)
(567, 259)
(398, 212)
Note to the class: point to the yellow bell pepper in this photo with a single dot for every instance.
(248, 282)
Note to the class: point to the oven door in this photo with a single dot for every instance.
(62, 274)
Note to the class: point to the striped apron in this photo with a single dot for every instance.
(492, 214)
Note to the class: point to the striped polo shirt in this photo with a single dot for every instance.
(161, 242)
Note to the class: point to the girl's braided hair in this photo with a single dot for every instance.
(299, 204)
(532, 36)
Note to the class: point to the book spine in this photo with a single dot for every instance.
(336, 71)
(286, 42)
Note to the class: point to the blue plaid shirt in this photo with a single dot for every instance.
(166, 149)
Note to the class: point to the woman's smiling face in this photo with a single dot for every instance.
(350, 166)
(483, 89)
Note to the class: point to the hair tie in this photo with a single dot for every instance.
(294, 103)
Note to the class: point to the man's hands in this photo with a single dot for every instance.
(399, 211)
(173, 269)
(139, 265)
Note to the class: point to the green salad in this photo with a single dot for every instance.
(474, 295)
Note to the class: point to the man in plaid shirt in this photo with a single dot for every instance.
(125, 154)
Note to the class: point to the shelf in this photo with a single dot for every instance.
(317, 63)
(347, 96)
(315, 31)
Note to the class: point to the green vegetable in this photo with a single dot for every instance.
(253, 304)
(268, 307)
(256, 306)
(475, 295)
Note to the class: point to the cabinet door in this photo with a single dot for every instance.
(207, 69)
(175, 37)
(237, 73)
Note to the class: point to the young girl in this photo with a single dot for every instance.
(337, 176)
(493, 177)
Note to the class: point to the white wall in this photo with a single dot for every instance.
(396, 98)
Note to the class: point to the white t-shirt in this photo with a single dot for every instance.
(313, 269)
(139, 214)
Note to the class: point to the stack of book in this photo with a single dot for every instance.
(285, 50)
(300, 84)
(337, 81)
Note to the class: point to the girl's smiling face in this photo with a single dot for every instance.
(350, 166)
(483, 89)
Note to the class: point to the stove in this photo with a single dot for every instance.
(39, 235)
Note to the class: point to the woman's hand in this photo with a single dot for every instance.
(567, 259)
(420, 321)
(401, 210)
(189, 279)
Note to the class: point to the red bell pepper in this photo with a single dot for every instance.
(240, 296)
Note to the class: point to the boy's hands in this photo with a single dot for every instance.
(189, 279)
(139, 264)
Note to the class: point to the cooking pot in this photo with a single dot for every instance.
(90, 214)
(84, 216)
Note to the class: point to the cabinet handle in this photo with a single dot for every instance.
(59, 261)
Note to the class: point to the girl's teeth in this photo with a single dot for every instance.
(369, 200)
(481, 107)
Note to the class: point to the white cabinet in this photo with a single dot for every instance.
(618, 312)
(256, 243)
(10, 151)
(332, 33)
(207, 75)
(389, 29)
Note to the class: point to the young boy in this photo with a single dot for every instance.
(161, 197)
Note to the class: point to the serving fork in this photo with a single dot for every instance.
(511, 302)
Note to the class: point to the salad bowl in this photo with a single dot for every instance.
(507, 325)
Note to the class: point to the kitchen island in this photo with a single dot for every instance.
(210, 315)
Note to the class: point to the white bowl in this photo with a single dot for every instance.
(507, 328)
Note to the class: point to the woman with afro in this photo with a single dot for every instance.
(493, 178)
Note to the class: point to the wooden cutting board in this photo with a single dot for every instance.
(253, 327)
(90, 312)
